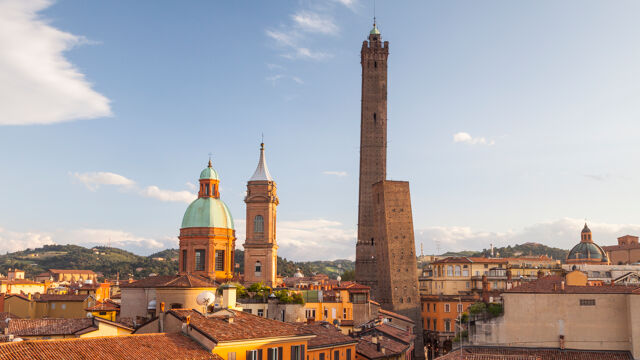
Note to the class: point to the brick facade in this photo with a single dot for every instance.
(373, 150)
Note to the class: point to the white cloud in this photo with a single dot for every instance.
(274, 79)
(351, 4)
(563, 233)
(93, 180)
(335, 173)
(315, 23)
(39, 85)
(297, 79)
(16, 241)
(168, 195)
(275, 67)
(283, 38)
(306, 240)
(464, 137)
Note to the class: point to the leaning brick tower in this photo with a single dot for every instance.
(373, 150)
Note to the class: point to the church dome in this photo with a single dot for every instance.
(587, 251)
(209, 173)
(208, 212)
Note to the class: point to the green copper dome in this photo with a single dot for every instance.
(209, 173)
(207, 212)
(374, 31)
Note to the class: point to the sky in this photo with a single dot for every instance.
(512, 121)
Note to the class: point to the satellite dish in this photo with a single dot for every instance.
(89, 315)
(152, 305)
(205, 298)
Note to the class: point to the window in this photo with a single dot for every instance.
(248, 311)
(477, 273)
(176, 306)
(321, 356)
(258, 224)
(409, 299)
(258, 267)
(447, 307)
(447, 325)
(53, 306)
(495, 284)
(184, 260)
(587, 302)
(428, 324)
(435, 321)
(326, 313)
(231, 355)
(310, 314)
(254, 354)
(374, 118)
(486, 266)
(200, 260)
(206, 190)
(465, 272)
(450, 270)
(460, 308)
(297, 352)
(348, 357)
(344, 313)
(468, 284)
(219, 260)
(336, 355)
(261, 312)
(102, 313)
(274, 353)
(457, 270)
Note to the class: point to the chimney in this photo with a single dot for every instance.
(561, 342)
(555, 287)
(228, 296)
(491, 250)
(374, 339)
(562, 285)
(485, 288)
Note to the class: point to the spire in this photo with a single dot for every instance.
(262, 172)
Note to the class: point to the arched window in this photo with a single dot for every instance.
(457, 270)
(258, 224)
(206, 190)
(258, 267)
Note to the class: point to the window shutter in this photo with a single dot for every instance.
(270, 354)
(280, 353)
(248, 357)
(259, 354)
(302, 352)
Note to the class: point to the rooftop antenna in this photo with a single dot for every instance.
(438, 247)
(374, 13)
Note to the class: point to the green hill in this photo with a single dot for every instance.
(526, 249)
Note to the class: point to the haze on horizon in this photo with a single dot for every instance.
(512, 121)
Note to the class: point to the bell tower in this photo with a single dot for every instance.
(260, 247)
(373, 150)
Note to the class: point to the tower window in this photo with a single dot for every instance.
(375, 64)
(184, 260)
(200, 260)
(258, 224)
(219, 260)
(206, 190)
(374, 118)
(371, 241)
(258, 267)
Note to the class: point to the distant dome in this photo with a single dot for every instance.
(298, 274)
(207, 212)
(587, 251)
(209, 173)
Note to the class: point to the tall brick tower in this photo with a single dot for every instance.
(260, 247)
(373, 150)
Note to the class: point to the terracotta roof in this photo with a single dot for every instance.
(551, 284)
(369, 350)
(171, 281)
(621, 247)
(396, 333)
(326, 335)
(218, 328)
(139, 347)
(352, 286)
(395, 315)
(104, 306)
(47, 327)
(62, 297)
(20, 282)
(499, 353)
(72, 271)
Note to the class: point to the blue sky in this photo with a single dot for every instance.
(513, 121)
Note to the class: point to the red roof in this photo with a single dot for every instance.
(500, 353)
(72, 271)
(104, 306)
(552, 284)
(388, 347)
(218, 326)
(47, 327)
(61, 297)
(395, 315)
(326, 335)
(171, 281)
(139, 347)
